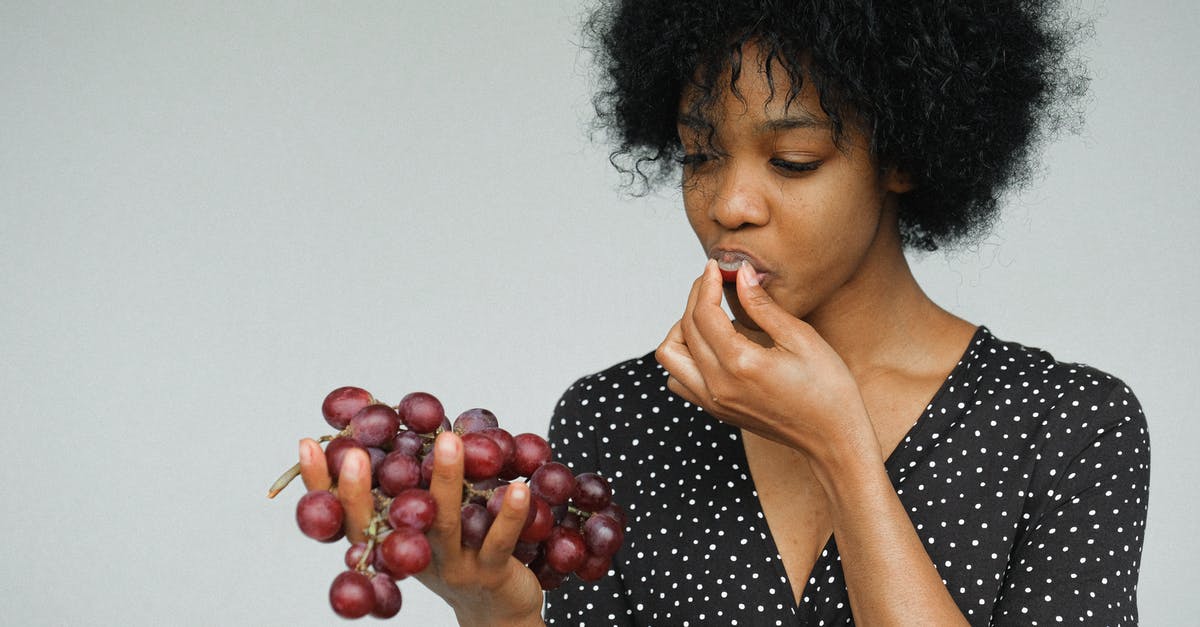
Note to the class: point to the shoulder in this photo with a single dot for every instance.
(630, 382)
(1070, 402)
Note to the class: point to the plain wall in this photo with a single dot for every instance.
(211, 214)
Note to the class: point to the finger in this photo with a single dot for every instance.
(501, 539)
(713, 336)
(313, 470)
(446, 487)
(354, 491)
(673, 353)
(774, 320)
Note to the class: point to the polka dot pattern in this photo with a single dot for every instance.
(1026, 479)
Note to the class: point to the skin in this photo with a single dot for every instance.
(484, 587)
(833, 350)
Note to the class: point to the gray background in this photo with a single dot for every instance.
(211, 214)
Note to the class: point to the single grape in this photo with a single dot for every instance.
(387, 596)
(398, 472)
(537, 529)
(594, 567)
(531, 451)
(525, 552)
(565, 549)
(352, 595)
(473, 420)
(413, 508)
(377, 561)
(508, 450)
(354, 555)
(615, 512)
(377, 455)
(408, 442)
(406, 551)
(547, 577)
(592, 492)
(482, 458)
(335, 453)
(426, 469)
(553, 482)
(475, 524)
(320, 515)
(602, 535)
(421, 412)
(341, 404)
(375, 425)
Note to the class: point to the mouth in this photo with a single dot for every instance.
(730, 260)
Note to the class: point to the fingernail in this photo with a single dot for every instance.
(447, 445)
(304, 455)
(749, 275)
(517, 492)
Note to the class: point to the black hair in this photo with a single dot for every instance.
(956, 94)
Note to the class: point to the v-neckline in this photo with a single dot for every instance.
(892, 465)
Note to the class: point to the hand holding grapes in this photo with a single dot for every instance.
(797, 391)
(417, 495)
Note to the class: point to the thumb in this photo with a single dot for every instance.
(759, 305)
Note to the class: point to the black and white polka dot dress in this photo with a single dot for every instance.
(1027, 480)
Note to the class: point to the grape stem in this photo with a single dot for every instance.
(291, 473)
(283, 480)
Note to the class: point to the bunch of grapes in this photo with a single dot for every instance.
(573, 526)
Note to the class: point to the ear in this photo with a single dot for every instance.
(897, 181)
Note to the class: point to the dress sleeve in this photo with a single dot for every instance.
(576, 602)
(1079, 558)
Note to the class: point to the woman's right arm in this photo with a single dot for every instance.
(487, 586)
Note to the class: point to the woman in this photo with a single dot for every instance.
(843, 450)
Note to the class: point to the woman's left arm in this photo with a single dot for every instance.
(800, 393)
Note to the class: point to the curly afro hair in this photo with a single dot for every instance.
(954, 93)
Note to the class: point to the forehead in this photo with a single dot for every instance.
(752, 85)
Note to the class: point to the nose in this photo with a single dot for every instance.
(738, 199)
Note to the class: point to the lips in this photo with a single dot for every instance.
(729, 261)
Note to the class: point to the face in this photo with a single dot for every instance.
(814, 219)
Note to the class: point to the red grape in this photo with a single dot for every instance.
(335, 453)
(387, 596)
(555, 540)
(537, 529)
(354, 555)
(421, 412)
(473, 420)
(553, 482)
(413, 508)
(547, 577)
(594, 567)
(565, 549)
(408, 442)
(341, 405)
(482, 458)
(320, 515)
(592, 492)
(375, 425)
(398, 472)
(531, 451)
(406, 551)
(475, 524)
(352, 595)
(603, 535)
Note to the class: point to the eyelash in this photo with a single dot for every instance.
(793, 167)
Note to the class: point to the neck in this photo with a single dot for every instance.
(881, 321)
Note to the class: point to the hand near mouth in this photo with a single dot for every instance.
(795, 390)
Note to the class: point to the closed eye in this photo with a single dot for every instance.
(795, 166)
